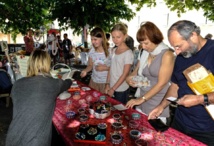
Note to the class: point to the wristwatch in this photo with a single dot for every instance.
(206, 101)
(144, 98)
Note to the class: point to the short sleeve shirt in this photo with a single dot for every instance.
(194, 118)
(98, 58)
(66, 45)
(118, 61)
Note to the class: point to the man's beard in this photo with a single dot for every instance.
(193, 49)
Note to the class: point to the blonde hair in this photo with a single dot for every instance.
(39, 63)
(120, 27)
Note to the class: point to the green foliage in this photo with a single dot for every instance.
(182, 6)
(208, 7)
(76, 14)
(141, 3)
(19, 15)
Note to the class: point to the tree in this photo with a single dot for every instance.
(19, 15)
(76, 14)
(182, 6)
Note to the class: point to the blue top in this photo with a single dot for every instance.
(194, 118)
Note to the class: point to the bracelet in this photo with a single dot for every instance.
(107, 83)
(206, 101)
(144, 98)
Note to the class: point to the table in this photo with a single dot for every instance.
(68, 127)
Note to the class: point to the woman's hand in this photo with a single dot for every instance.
(110, 92)
(130, 81)
(134, 102)
(100, 67)
(83, 74)
(107, 88)
(156, 112)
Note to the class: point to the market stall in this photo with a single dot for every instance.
(79, 125)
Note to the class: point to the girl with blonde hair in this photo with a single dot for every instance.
(121, 62)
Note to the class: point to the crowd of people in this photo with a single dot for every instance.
(161, 70)
(157, 75)
(59, 50)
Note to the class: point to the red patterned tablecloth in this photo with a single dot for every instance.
(68, 127)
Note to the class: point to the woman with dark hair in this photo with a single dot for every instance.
(34, 99)
(98, 60)
(155, 67)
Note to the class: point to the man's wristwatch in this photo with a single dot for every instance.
(206, 101)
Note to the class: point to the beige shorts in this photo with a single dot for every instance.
(97, 86)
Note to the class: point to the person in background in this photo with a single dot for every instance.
(108, 35)
(108, 38)
(34, 99)
(191, 117)
(129, 40)
(60, 50)
(5, 81)
(67, 49)
(121, 61)
(98, 59)
(138, 69)
(53, 47)
(42, 47)
(156, 66)
(136, 54)
(208, 36)
(29, 42)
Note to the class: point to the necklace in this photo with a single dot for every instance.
(152, 56)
